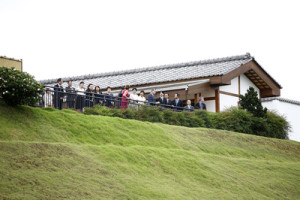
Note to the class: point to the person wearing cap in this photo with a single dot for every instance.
(58, 94)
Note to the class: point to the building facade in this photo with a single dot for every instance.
(220, 81)
(290, 109)
(11, 63)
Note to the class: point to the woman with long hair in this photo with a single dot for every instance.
(89, 96)
(99, 97)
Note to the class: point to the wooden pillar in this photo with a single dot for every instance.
(217, 96)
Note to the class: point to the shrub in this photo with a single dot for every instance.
(251, 103)
(19, 88)
(232, 119)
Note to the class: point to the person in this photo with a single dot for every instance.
(142, 98)
(125, 97)
(201, 105)
(134, 99)
(99, 97)
(89, 96)
(48, 99)
(71, 97)
(109, 98)
(151, 97)
(161, 98)
(120, 97)
(177, 103)
(80, 97)
(58, 94)
(189, 107)
(167, 101)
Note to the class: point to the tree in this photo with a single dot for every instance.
(251, 103)
(19, 88)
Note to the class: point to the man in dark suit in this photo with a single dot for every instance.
(58, 94)
(161, 98)
(201, 105)
(188, 106)
(177, 103)
(151, 97)
(71, 95)
(167, 101)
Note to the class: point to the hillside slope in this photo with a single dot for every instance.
(50, 154)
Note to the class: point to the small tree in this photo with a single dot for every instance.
(18, 88)
(251, 103)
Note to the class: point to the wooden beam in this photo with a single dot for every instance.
(228, 93)
(217, 95)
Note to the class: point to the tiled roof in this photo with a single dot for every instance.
(280, 99)
(165, 73)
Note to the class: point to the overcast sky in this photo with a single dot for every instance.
(61, 38)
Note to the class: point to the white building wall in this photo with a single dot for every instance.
(211, 105)
(246, 83)
(292, 113)
(233, 87)
(227, 101)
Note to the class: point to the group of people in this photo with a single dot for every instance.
(80, 98)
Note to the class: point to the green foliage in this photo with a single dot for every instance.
(232, 119)
(19, 88)
(251, 103)
(51, 154)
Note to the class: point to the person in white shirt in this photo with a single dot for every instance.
(48, 99)
(142, 99)
(80, 97)
(134, 99)
(189, 107)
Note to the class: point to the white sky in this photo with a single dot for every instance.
(61, 38)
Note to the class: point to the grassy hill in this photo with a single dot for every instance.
(50, 154)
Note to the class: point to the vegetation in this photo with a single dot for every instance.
(233, 119)
(251, 103)
(52, 154)
(19, 88)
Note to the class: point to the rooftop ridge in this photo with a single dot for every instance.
(281, 99)
(10, 58)
(154, 68)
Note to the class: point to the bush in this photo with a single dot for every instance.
(232, 119)
(19, 88)
(251, 103)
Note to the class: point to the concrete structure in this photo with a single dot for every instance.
(290, 109)
(11, 62)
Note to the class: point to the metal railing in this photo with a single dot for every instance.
(58, 98)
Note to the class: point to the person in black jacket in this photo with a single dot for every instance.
(167, 101)
(161, 98)
(89, 96)
(120, 98)
(58, 94)
(200, 105)
(109, 98)
(99, 97)
(177, 104)
(71, 96)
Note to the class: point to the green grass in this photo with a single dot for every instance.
(50, 154)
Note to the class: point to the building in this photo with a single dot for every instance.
(220, 81)
(290, 109)
(11, 62)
